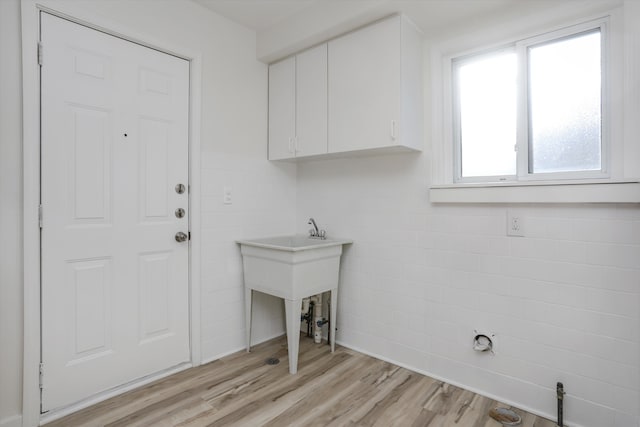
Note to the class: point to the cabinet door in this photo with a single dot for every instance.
(311, 102)
(364, 88)
(282, 113)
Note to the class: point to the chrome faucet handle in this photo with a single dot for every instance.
(322, 234)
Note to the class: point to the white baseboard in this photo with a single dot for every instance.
(14, 421)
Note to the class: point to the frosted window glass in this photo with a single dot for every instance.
(487, 102)
(565, 105)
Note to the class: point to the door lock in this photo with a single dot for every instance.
(180, 213)
(181, 237)
(180, 188)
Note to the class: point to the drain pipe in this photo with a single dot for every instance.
(310, 319)
(560, 395)
(306, 314)
(317, 324)
(329, 322)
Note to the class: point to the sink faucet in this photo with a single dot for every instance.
(314, 232)
(313, 222)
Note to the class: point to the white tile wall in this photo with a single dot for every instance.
(564, 301)
(263, 203)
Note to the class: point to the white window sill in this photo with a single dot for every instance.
(536, 192)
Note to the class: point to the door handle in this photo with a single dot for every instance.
(181, 237)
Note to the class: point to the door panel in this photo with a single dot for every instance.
(154, 157)
(154, 296)
(114, 145)
(91, 280)
(90, 180)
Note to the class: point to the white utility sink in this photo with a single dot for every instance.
(292, 268)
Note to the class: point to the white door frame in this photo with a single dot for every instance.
(31, 179)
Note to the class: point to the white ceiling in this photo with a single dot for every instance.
(429, 15)
(285, 26)
(257, 14)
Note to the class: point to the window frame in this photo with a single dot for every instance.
(523, 146)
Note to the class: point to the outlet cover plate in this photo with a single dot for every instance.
(515, 223)
(226, 198)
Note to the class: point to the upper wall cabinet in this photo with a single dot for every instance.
(361, 91)
(375, 88)
(298, 105)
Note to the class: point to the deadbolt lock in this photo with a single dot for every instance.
(180, 188)
(180, 213)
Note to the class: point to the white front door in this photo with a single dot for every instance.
(115, 285)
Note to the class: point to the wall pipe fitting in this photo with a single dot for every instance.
(560, 396)
(483, 342)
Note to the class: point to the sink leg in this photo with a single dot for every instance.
(292, 312)
(332, 318)
(248, 303)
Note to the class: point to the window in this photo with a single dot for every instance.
(486, 120)
(532, 110)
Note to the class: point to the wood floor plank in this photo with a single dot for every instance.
(328, 391)
(338, 389)
(118, 407)
(339, 411)
(273, 400)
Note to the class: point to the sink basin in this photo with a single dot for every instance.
(293, 243)
(292, 268)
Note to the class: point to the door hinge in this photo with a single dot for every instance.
(41, 376)
(189, 234)
(40, 216)
(40, 54)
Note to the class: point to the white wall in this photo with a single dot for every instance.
(10, 212)
(263, 204)
(563, 301)
(233, 134)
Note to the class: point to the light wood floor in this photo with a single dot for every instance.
(345, 388)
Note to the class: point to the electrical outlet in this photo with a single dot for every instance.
(515, 223)
(227, 195)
